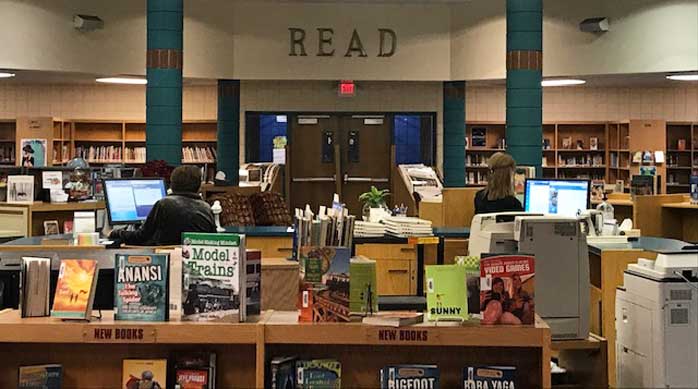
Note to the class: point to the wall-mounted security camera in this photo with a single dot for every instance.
(594, 25)
(86, 23)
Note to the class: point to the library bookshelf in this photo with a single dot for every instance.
(91, 356)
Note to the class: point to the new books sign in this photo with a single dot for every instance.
(320, 42)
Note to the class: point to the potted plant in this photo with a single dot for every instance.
(374, 198)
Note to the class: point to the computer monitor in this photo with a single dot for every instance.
(565, 197)
(130, 200)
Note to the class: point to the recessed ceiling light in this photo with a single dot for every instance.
(6, 75)
(123, 80)
(683, 77)
(562, 82)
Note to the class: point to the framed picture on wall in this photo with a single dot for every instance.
(33, 152)
(20, 189)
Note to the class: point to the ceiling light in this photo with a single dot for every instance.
(123, 80)
(683, 77)
(562, 82)
(6, 75)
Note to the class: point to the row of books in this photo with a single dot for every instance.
(211, 278)
(580, 161)
(99, 153)
(476, 178)
(331, 226)
(7, 153)
(294, 373)
(199, 154)
(472, 160)
(134, 154)
(196, 370)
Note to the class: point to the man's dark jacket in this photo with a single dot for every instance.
(169, 218)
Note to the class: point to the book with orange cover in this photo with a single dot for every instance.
(75, 290)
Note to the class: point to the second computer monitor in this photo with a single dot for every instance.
(556, 196)
(129, 201)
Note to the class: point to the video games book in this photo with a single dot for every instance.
(489, 377)
(507, 289)
(410, 376)
(213, 277)
(40, 377)
(282, 373)
(319, 374)
(324, 284)
(141, 290)
(144, 373)
(447, 297)
(75, 289)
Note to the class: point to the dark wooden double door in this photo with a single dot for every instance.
(343, 154)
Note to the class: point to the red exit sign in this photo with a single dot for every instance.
(347, 88)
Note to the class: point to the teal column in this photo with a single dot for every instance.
(229, 129)
(454, 134)
(524, 130)
(163, 112)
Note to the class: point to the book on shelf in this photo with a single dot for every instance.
(642, 185)
(546, 144)
(593, 143)
(681, 145)
(7, 153)
(253, 274)
(394, 318)
(324, 282)
(520, 175)
(318, 374)
(75, 290)
(363, 296)
(479, 135)
(567, 143)
(199, 154)
(213, 277)
(479, 377)
(447, 297)
(471, 264)
(282, 373)
(580, 144)
(48, 376)
(410, 376)
(35, 287)
(194, 370)
(144, 373)
(141, 290)
(507, 289)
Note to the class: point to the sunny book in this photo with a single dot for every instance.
(213, 277)
(75, 290)
(447, 297)
(141, 287)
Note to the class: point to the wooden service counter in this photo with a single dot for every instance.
(19, 220)
(91, 355)
(607, 264)
(668, 216)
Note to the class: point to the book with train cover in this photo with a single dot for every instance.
(141, 288)
(324, 284)
(213, 277)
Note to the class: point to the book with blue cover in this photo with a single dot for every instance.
(319, 374)
(141, 289)
(40, 377)
(489, 377)
(410, 376)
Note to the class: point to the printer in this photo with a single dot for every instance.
(561, 262)
(656, 323)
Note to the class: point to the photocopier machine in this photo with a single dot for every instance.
(656, 322)
(559, 246)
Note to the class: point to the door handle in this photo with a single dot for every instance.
(314, 179)
(347, 178)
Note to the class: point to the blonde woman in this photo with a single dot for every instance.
(498, 196)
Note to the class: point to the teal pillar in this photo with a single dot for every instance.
(524, 130)
(454, 134)
(163, 112)
(229, 129)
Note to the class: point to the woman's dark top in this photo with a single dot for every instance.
(507, 204)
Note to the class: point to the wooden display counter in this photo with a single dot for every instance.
(20, 220)
(668, 216)
(91, 355)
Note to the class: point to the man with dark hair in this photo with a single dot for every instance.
(181, 211)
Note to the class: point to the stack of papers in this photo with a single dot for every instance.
(403, 227)
(368, 230)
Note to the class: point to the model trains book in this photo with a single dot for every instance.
(213, 277)
(141, 287)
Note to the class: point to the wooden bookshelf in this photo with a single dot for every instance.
(681, 155)
(243, 350)
(8, 131)
(477, 155)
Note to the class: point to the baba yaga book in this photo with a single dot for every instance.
(410, 376)
(319, 374)
(507, 285)
(144, 373)
(324, 284)
(489, 377)
(195, 370)
(447, 297)
(75, 290)
(140, 287)
(213, 277)
(40, 377)
(282, 372)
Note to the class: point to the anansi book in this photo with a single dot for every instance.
(507, 285)
(141, 288)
